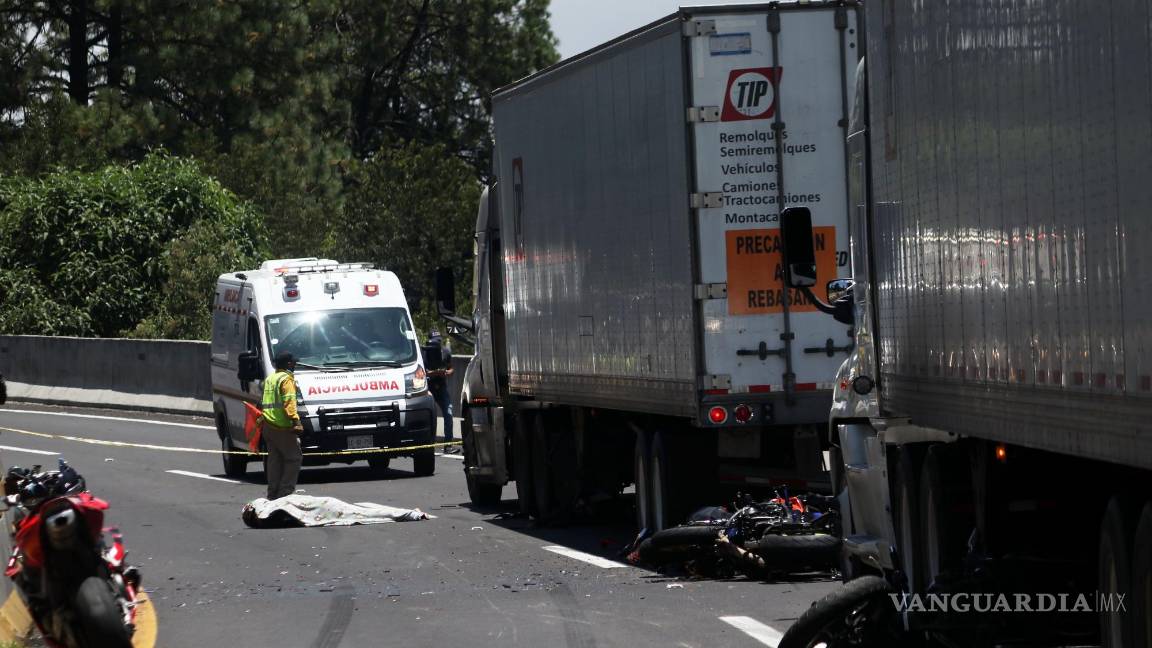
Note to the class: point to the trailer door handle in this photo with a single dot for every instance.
(762, 351)
(829, 348)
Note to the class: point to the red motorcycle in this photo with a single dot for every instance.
(75, 582)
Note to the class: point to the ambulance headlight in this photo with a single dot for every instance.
(417, 381)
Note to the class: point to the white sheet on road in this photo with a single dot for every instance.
(328, 511)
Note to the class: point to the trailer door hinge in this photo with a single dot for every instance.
(712, 291)
(699, 28)
(703, 114)
(716, 381)
(707, 200)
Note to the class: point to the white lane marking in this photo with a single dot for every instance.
(765, 634)
(450, 456)
(111, 418)
(586, 557)
(28, 450)
(187, 473)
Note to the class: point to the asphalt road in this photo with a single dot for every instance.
(467, 578)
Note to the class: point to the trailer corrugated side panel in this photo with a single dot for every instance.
(1012, 158)
(591, 159)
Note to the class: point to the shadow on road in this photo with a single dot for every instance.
(339, 474)
(603, 531)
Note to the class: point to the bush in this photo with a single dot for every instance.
(119, 251)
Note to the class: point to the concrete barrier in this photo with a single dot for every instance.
(169, 376)
(153, 375)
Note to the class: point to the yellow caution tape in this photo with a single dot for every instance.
(150, 446)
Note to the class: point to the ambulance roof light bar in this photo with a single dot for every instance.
(331, 267)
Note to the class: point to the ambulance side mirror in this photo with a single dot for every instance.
(250, 367)
(445, 291)
(799, 247)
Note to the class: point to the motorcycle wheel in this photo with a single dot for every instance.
(99, 623)
(677, 545)
(797, 552)
(688, 536)
(860, 613)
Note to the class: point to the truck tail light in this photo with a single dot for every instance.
(743, 413)
(371, 290)
(718, 415)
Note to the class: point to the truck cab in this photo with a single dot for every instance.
(362, 389)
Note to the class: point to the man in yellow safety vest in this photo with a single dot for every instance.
(282, 428)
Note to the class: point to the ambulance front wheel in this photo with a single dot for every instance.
(235, 465)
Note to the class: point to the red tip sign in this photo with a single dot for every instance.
(751, 94)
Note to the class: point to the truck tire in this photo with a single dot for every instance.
(660, 495)
(541, 472)
(1115, 570)
(673, 472)
(1141, 584)
(522, 461)
(234, 465)
(833, 621)
(424, 462)
(945, 527)
(484, 494)
(555, 468)
(642, 477)
(683, 471)
(904, 486)
(797, 552)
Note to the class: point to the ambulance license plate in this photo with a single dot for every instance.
(358, 442)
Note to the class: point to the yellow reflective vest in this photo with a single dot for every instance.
(279, 406)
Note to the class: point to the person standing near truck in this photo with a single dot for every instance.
(440, 367)
(282, 427)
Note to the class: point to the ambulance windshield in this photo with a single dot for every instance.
(359, 337)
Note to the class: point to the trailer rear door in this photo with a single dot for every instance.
(770, 91)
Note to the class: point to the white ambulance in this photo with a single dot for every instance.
(359, 373)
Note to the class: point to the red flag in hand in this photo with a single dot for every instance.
(253, 424)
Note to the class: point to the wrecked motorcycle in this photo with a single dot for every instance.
(75, 583)
(780, 535)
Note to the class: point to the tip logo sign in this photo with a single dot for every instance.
(751, 94)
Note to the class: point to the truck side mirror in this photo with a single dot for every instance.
(445, 291)
(838, 288)
(799, 247)
(250, 367)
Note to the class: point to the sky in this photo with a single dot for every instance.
(583, 24)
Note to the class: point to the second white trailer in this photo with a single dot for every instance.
(629, 264)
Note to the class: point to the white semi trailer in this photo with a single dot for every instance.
(631, 324)
(995, 421)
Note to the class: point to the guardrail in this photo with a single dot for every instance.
(169, 376)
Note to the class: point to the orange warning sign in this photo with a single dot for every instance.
(756, 270)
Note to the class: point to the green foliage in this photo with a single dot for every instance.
(411, 210)
(420, 70)
(95, 253)
(302, 110)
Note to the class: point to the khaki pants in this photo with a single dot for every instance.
(284, 458)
